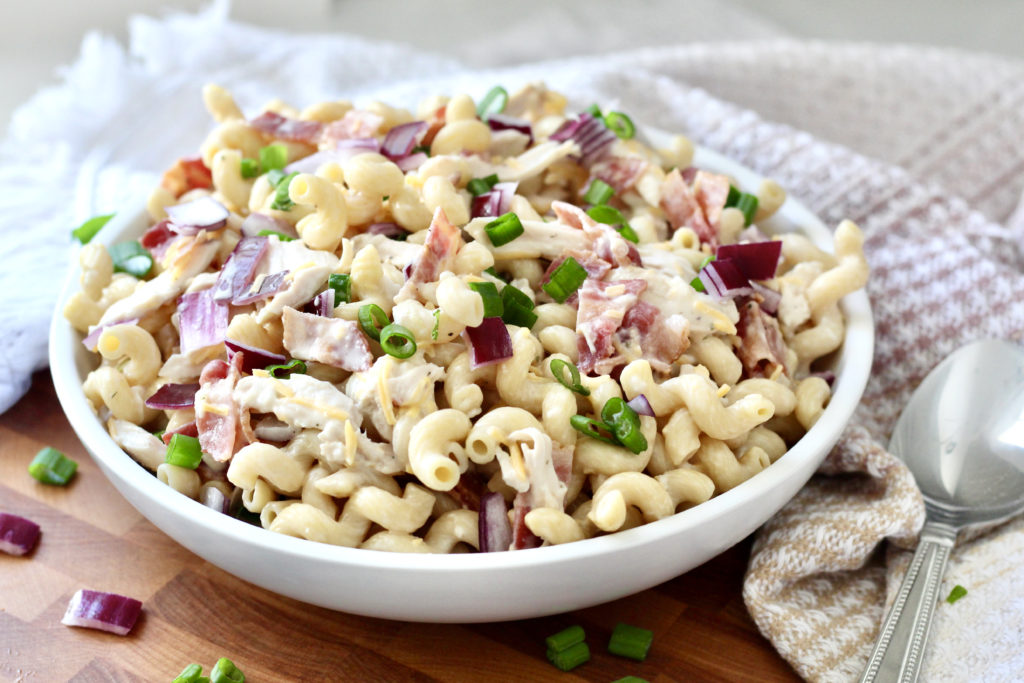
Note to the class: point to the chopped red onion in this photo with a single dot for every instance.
(202, 320)
(411, 162)
(505, 122)
(400, 140)
(756, 260)
(724, 279)
(172, 396)
(213, 497)
(352, 146)
(489, 342)
(689, 174)
(391, 230)
(205, 213)
(252, 357)
(17, 535)
(769, 298)
(345, 150)
(102, 611)
(494, 528)
(269, 286)
(496, 202)
(323, 303)
(641, 406)
(255, 223)
(240, 269)
(593, 137)
(284, 128)
(93, 338)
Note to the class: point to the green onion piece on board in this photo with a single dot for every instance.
(285, 369)
(184, 451)
(478, 186)
(565, 638)
(630, 641)
(620, 124)
(747, 203)
(571, 657)
(193, 673)
(955, 594)
(588, 426)
(630, 679)
(493, 102)
(282, 200)
(372, 319)
(342, 286)
(504, 229)
(131, 258)
(52, 467)
(488, 291)
(87, 230)
(599, 192)
(250, 168)
(274, 233)
(565, 280)
(624, 423)
(273, 158)
(397, 341)
(225, 671)
(558, 368)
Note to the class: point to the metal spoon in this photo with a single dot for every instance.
(962, 436)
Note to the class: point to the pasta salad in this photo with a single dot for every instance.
(482, 326)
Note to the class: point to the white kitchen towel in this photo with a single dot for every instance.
(920, 146)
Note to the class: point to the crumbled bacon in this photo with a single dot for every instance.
(187, 173)
(188, 429)
(596, 267)
(602, 308)
(608, 244)
(468, 490)
(683, 210)
(711, 191)
(659, 343)
(620, 172)
(356, 124)
(763, 347)
(332, 341)
(157, 239)
(284, 128)
(439, 249)
(522, 537)
(216, 412)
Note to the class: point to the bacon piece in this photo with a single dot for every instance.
(620, 172)
(187, 173)
(608, 244)
(332, 341)
(284, 128)
(602, 308)
(439, 249)
(468, 491)
(356, 124)
(763, 347)
(711, 191)
(561, 458)
(596, 267)
(522, 537)
(645, 325)
(188, 429)
(683, 210)
(216, 411)
(157, 239)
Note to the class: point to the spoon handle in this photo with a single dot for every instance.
(900, 645)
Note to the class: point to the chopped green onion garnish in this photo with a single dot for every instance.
(397, 341)
(624, 423)
(421, 148)
(518, 308)
(279, 235)
(565, 280)
(184, 451)
(609, 215)
(592, 428)
(225, 671)
(565, 639)
(748, 205)
(193, 673)
(87, 230)
(50, 466)
(284, 370)
(275, 176)
(478, 186)
(160, 434)
(594, 111)
(630, 679)
(630, 641)
(504, 229)
(131, 258)
(571, 657)
(599, 192)
(558, 368)
(696, 282)
(493, 102)
(488, 291)
(501, 276)
(955, 594)
(273, 158)
(732, 197)
(250, 168)
(372, 319)
(342, 286)
(282, 201)
(620, 124)
(437, 323)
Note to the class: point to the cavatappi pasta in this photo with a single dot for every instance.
(368, 319)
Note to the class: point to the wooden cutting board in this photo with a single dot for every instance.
(194, 612)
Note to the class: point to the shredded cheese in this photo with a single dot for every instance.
(382, 390)
(719, 320)
(351, 443)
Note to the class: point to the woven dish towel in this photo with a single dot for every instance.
(937, 126)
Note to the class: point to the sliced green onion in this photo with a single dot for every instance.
(274, 233)
(50, 466)
(594, 111)
(588, 426)
(732, 197)
(282, 371)
(624, 423)
(225, 671)
(609, 215)
(566, 638)
(421, 148)
(518, 307)
(193, 673)
(599, 192)
(558, 368)
(565, 280)
(273, 158)
(493, 102)
(437, 324)
(131, 258)
(282, 201)
(488, 291)
(275, 176)
(250, 168)
(748, 205)
(571, 657)
(342, 286)
(372, 319)
(87, 230)
(184, 451)
(504, 229)
(630, 679)
(696, 282)
(957, 593)
(620, 124)
(478, 186)
(630, 641)
(501, 276)
(397, 341)
(160, 434)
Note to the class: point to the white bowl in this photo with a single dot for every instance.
(485, 586)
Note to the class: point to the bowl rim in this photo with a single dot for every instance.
(852, 372)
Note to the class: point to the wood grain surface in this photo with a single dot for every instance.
(194, 612)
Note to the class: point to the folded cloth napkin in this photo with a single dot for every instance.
(942, 127)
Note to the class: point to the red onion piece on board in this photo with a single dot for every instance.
(252, 357)
(323, 303)
(269, 286)
(496, 202)
(202, 320)
(400, 140)
(240, 269)
(593, 137)
(489, 342)
(173, 396)
(102, 611)
(641, 406)
(723, 279)
(17, 535)
(756, 260)
(411, 162)
(205, 213)
(505, 122)
(284, 128)
(495, 530)
(257, 222)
